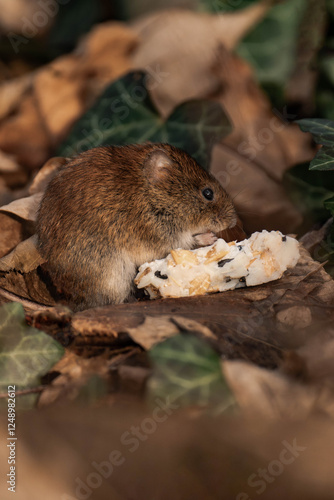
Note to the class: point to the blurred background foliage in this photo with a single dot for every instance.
(273, 47)
(292, 32)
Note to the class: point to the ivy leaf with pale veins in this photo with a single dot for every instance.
(329, 204)
(125, 114)
(274, 60)
(25, 352)
(322, 131)
(324, 159)
(187, 371)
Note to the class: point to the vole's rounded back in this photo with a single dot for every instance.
(111, 209)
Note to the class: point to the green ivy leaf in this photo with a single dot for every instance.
(25, 353)
(322, 129)
(125, 114)
(308, 190)
(314, 195)
(274, 60)
(187, 371)
(329, 204)
(324, 159)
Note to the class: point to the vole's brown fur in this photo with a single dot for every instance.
(111, 209)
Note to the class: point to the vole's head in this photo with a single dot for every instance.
(184, 194)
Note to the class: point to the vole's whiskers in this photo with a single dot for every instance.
(239, 192)
(247, 212)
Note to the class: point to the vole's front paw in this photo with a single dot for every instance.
(205, 239)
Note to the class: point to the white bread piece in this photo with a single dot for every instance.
(222, 266)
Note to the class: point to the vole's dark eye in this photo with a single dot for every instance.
(207, 193)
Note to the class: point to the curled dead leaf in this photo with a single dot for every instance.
(44, 106)
(260, 134)
(74, 371)
(10, 233)
(25, 123)
(8, 164)
(260, 200)
(265, 394)
(153, 331)
(24, 258)
(45, 174)
(21, 276)
(12, 91)
(25, 208)
(179, 48)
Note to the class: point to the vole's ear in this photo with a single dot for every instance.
(157, 165)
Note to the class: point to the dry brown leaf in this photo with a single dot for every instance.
(74, 372)
(153, 331)
(25, 208)
(106, 41)
(60, 92)
(12, 91)
(67, 86)
(260, 200)
(226, 28)
(59, 96)
(8, 164)
(157, 329)
(45, 174)
(314, 237)
(96, 330)
(24, 258)
(30, 289)
(16, 224)
(24, 135)
(260, 134)
(20, 275)
(179, 48)
(186, 324)
(264, 394)
(10, 233)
